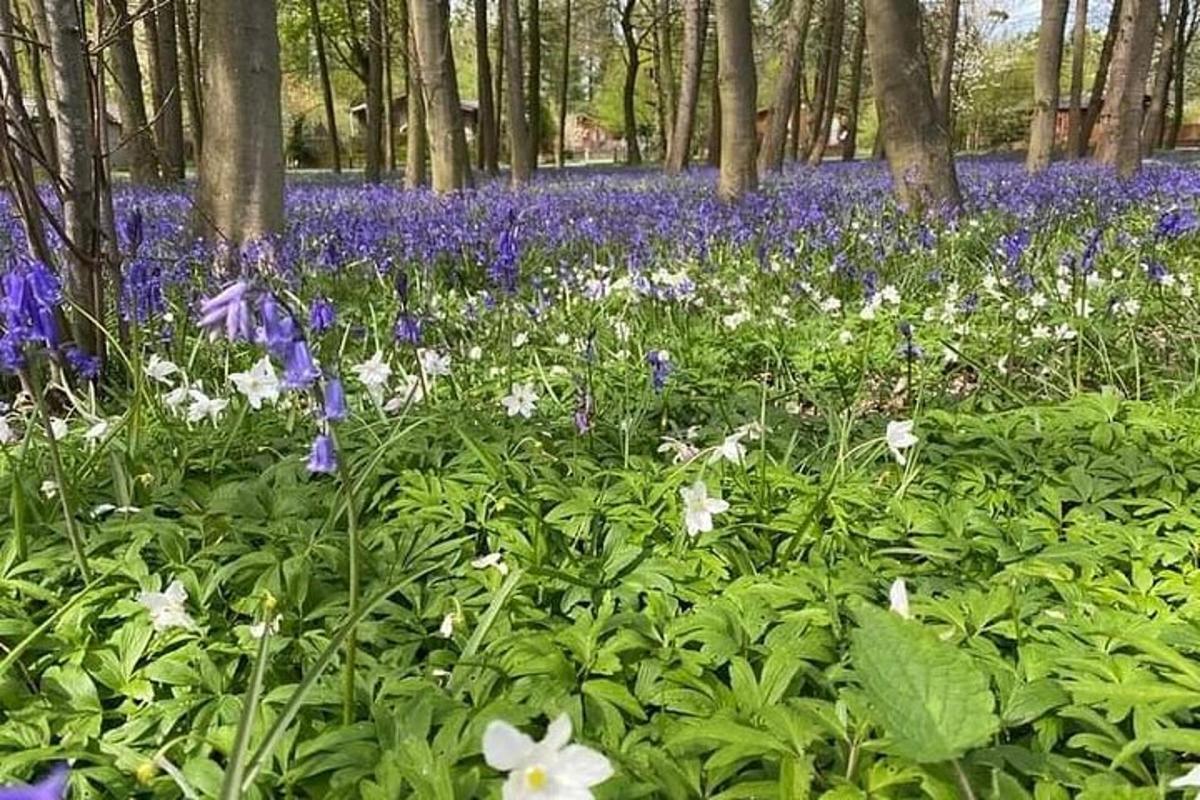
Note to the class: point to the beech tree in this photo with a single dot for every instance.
(520, 151)
(1075, 146)
(738, 90)
(1155, 118)
(1045, 84)
(1121, 117)
(131, 101)
(695, 31)
(439, 83)
(770, 155)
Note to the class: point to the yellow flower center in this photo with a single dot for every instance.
(536, 777)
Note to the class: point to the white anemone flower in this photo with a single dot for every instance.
(373, 374)
(731, 450)
(698, 508)
(898, 596)
(491, 560)
(435, 364)
(167, 608)
(202, 406)
(259, 384)
(59, 428)
(522, 399)
(899, 438)
(159, 369)
(552, 769)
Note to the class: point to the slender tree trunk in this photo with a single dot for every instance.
(498, 95)
(190, 60)
(435, 61)
(485, 123)
(41, 97)
(695, 29)
(18, 162)
(1182, 39)
(665, 48)
(166, 45)
(770, 155)
(837, 28)
(800, 116)
(534, 95)
(318, 34)
(850, 143)
(917, 144)
(518, 126)
(389, 93)
(817, 106)
(560, 155)
(633, 153)
(1121, 119)
(1096, 99)
(418, 137)
(373, 171)
(945, 92)
(1152, 125)
(736, 75)
(73, 129)
(139, 144)
(660, 91)
(714, 119)
(1078, 55)
(1045, 84)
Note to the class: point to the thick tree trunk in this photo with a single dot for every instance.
(139, 141)
(41, 97)
(240, 194)
(633, 153)
(1121, 118)
(1152, 125)
(833, 65)
(695, 30)
(485, 124)
(564, 83)
(714, 118)
(318, 34)
(373, 146)
(418, 137)
(1045, 84)
(916, 142)
(518, 125)
(1096, 99)
(850, 143)
(1078, 55)
(945, 90)
(73, 130)
(736, 75)
(189, 49)
(534, 94)
(770, 155)
(439, 80)
(166, 45)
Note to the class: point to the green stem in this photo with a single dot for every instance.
(231, 788)
(60, 477)
(963, 782)
(354, 588)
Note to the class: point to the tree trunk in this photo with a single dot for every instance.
(1078, 55)
(518, 126)
(41, 97)
(485, 123)
(560, 153)
(240, 194)
(139, 141)
(189, 48)
(439, 82)
(850, 143)
(534, 95)
(945, 92)
(665, 48)
(1045, 84)
(73, 131)
(714, 119)
(695, 29)
(18, 127)
(1182, 40)
(736, 75)
(166, 45)
(1152, 125)
(1100, 80)
(833, 64)
(917, 144)
(373, 146)
(770, 155)
(800, 116)
(418, 137)
(1121, 119)
(498, 95)
(633, 153)
(817, 106)
(318, 34)
(389, 94)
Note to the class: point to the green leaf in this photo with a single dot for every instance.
(927, 695)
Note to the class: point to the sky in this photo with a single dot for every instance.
(1024, 15)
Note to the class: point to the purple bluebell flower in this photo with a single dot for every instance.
(335, 401)
(583, 412)
(133, 228)
(660, 368)
(323, 457)
(1175, 222)
(408, 329)
(278, 327)
(1157, 272)
(86, 366)
(51, 787)
(299, 370)
(322, 316)
(969, 304)
(230, 309)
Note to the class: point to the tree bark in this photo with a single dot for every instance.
(770, 155)
(318, 34)
(821, 73)
(695, 29)
(439, 82)
(714, 119)
(850, 144)
(485, 123)
(498, 95)
(518, 126)
(18, 162)
(1183, 38)
(139, 140)
(1152, 125)
(1100, 80)
(633, 153)
(665, 48)
(917, 144)
(833, 64)
(240, 193)
(1121, 118)
(738, 90)
(1075, 145)
(373, 145)
(418, 137)
(560, 153)
(945, 93)
(171, 113)
(189, 48)
(534, 95)
(1045, 84)
(389, 94)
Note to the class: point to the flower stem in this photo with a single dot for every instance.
(354, 588)
(60, 477)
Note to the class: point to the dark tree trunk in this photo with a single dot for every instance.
(318, 34)
(833, 64)
(736, 75)
(665, 49)
(564, 83)
(139, 140)
(850, 143)
(167, 47)
(418, 138)
(695, 29)
(485, 124)
(1100, 80)
(534, 94)
(435, 60)
(41, 97)
(498, 95)
(821, 73)
(770, 155)
(633, 153)
(714, 119)
(389, 93)
(373, 146)
(1045, 84)
(1078, 54)
(1152, 125)
(189, 49)
(945, 91)
(1121, 118)
(917, 144)
(518, 125)
(1182, 40)
(18, 163)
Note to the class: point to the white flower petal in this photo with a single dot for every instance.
(504, 747)
(579, 766)
(558, 734)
